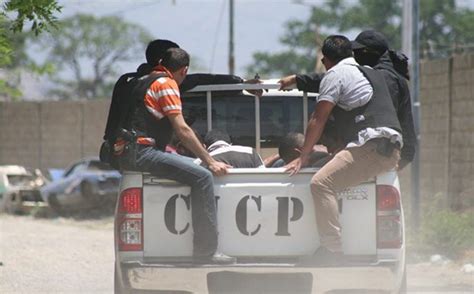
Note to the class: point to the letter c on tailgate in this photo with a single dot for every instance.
(241, 215)
(170, 213)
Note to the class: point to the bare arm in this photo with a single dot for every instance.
(313, 133)
(269, 161)
(188, 138)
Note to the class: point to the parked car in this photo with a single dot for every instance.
(19, 188)
(85, 184)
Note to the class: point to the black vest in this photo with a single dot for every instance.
(143, 122)
(378, 112)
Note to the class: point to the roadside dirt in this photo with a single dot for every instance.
(56, 255)
(75, 255)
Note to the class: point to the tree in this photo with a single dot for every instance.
(444, 28)
(86, 51)
(40, 13)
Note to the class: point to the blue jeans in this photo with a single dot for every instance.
(203, 204)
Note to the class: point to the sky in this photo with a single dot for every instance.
(201, 26)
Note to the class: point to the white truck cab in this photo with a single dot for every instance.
(266, 219)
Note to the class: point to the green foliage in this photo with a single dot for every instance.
(284, 63)
(448, 232)
(12, 40)
(444, 29)
(86, 50)
(9, 90)
(5, 46)
(38, 12)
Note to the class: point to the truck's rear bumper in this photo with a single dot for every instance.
(380, 277)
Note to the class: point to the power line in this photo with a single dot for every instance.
(216, 35)
(133, 7)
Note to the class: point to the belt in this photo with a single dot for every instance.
(385, 141)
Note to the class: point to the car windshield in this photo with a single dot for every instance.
(20, 180)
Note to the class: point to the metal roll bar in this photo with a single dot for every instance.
(208, 89)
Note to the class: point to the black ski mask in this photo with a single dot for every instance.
(366, 57)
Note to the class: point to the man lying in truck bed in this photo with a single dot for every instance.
(219, 146)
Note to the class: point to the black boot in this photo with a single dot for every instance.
(323, 257)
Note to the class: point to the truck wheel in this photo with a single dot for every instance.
(88, 194)
(13, 203)
(54, 203)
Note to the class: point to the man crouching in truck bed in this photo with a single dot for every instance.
(156, 116)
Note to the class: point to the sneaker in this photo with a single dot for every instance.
(323, 257)
(217, 258)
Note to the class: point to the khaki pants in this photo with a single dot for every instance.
(348, 168)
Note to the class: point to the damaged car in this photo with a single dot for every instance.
(87, 183)
(19, 189)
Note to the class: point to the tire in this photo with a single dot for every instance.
(88, 194)
(54, 203)
(13, 203)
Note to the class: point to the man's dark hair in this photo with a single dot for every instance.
(216, 135)
(288, 144)
(156, 49)
(336, 48)
(175, 58)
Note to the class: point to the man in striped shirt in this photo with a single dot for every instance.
(157, 115)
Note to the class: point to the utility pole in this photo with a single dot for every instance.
(415, 167)
(231, 38)
(410, 46)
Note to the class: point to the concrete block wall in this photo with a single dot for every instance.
(50, 134)
(434, 128)
(20, 133)
(447, 132)
(461, 165)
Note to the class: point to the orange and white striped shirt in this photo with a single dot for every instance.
(162, 99)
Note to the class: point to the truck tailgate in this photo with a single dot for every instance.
(261, 212)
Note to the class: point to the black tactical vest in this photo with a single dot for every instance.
(378, 112)
(143, 122)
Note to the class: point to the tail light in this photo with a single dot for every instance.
(389, 227)
(129, 221)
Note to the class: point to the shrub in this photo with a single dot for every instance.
(448, 232)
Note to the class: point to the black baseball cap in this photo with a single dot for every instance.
(370, 39)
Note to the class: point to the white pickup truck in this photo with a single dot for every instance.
(267, 221)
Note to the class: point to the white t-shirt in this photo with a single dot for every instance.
(347, 87)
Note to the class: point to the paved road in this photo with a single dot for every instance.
(76, 256)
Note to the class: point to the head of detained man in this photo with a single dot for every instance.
(290, 146)
(176, 60)
(216, 135)
(335, 48)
